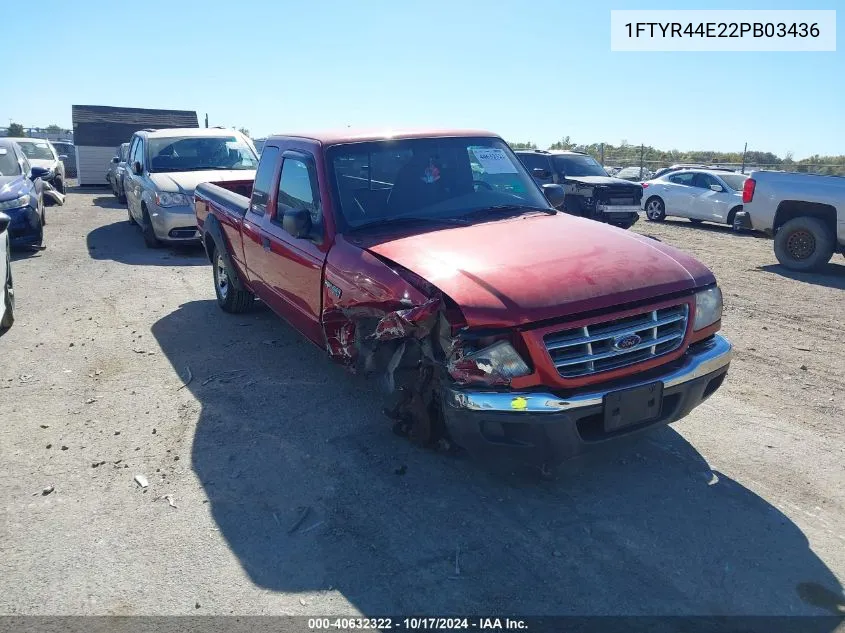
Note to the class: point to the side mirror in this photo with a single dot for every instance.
(38, 172)
(542, 174)
(716, 188)
(554, 194)
(297, 222)
(136, 168)
(115, 159)
(62, 156)
(4, 222)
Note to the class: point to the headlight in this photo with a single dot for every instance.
(164, 199)
(708, 308)
(17, 203)
(496, 364)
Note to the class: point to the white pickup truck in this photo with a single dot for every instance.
(805, 213)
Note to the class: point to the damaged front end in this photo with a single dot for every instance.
(414, 351)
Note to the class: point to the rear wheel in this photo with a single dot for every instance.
(121, 193)
(804, 244)
(230, 297)
(147, 230)
(655, 210)
(736, 226)
(8, 298)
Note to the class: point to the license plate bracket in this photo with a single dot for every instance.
(629, 407)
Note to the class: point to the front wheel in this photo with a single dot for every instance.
(655, 210)
(230, 297)
(804, 244)
(59, 185)
(147, 230)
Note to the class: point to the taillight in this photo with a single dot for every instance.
(748, 190)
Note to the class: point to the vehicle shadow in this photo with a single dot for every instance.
(108, 202)
(122, 242)
(21, 253)
(312, 491)
(831, 276)
(713, 228)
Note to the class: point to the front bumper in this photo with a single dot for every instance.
(174, 224)
(25, 227)
(546, 428)
(621, 215)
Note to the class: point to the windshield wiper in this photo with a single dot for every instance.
(510, 208)
(410, 220)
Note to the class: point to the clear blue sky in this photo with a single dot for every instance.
(535, 70)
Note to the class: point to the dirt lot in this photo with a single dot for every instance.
(738, 509)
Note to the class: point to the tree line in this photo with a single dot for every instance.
(651, 156)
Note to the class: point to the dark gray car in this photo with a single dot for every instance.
(116, 172)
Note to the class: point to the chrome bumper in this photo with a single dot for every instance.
(699, 361)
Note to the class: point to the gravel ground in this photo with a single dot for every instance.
(293, 496)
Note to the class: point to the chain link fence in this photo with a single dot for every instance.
(639, 162)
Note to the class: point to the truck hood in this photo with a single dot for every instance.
(532, 268)
(186, 181)
(46, 163)
(602, 180)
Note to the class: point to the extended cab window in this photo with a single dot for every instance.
(296, 189)
(264, 180)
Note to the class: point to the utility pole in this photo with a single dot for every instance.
(642, 157)
(744, 151)
(206, 119)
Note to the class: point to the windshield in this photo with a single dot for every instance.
(578, 165)
(734, 181)
(196, 153)
(428, 178)
(38, 150)
(8, 163)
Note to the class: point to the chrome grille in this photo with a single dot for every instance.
(591, 349)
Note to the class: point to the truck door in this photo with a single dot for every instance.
(293, 267)
(253, 253)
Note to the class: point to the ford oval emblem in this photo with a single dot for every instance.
(627, 341)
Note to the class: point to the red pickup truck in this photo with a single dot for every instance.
(433, 260)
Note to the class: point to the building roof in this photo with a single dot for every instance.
(107, 126)
(338, 137)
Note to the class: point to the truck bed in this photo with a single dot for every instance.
(227, 197)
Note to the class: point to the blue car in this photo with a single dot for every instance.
(21, 196)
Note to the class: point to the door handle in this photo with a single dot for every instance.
(265, 242)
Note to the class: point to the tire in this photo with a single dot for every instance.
(59, 185)
(8, 299)
(43, 213)
(655, 210)
(804, 244)
(230, 298)
(147, 230)
(132, 221)
(121, 194)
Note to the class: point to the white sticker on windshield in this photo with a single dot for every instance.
(494, 161)
(3, 151)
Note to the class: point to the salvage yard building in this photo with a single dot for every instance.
(99, 130)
